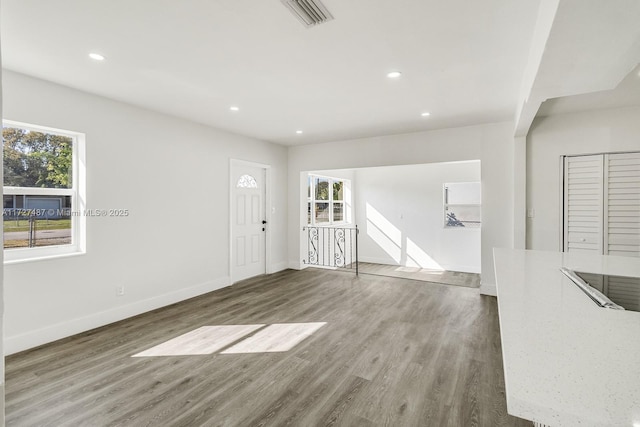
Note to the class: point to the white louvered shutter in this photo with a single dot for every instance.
(625, 291)
(622, 204)
(583, 204)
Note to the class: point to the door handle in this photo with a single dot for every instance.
(264, 221)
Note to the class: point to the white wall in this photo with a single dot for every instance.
(519, 192)
(400, 212)
(491, 143)
(172, 175)
(550, 137)
(1, 287)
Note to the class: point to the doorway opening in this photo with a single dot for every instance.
(420, 222)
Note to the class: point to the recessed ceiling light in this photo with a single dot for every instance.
(96, 56)
(234, 108)
(425, 114)
(299, 132)
(394, 74)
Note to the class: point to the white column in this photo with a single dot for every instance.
(519, 192)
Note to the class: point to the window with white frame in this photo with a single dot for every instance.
(462, 205)
(326, 203)
(42, 191)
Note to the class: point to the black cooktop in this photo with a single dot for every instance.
(608, 291)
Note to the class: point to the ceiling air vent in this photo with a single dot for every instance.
(309, 12)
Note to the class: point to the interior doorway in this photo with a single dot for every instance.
(421, 221)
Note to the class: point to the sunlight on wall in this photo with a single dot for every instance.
(385, 234)
(420, 258)
(389, 238)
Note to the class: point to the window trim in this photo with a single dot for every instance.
(446, 205)
(311, 201)
(78, 200)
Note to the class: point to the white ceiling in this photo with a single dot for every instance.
(582, 51)
(463, 61)
(626, 94)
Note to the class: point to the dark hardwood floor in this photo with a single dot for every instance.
(394, 352)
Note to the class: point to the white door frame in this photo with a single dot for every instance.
(267, 212)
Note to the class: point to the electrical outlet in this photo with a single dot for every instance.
(120, 290)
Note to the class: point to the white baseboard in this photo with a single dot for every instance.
(488, 289)
(55, 332)
(374, 260)
(278, 267)
(297, 265)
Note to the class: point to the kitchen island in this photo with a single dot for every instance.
(567, 361)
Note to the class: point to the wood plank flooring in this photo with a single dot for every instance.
(469, 280)
(393, 352)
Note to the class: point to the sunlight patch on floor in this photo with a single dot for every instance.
(419, 270)
(204, 340)
(275, 338)
(278, 337)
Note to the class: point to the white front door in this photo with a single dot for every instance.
(248, 222)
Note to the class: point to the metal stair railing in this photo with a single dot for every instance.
(332, 247)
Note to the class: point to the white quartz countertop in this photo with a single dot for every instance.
(567, 361)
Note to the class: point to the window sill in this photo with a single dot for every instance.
(42, 256)
(334, 225)
(462, 228)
